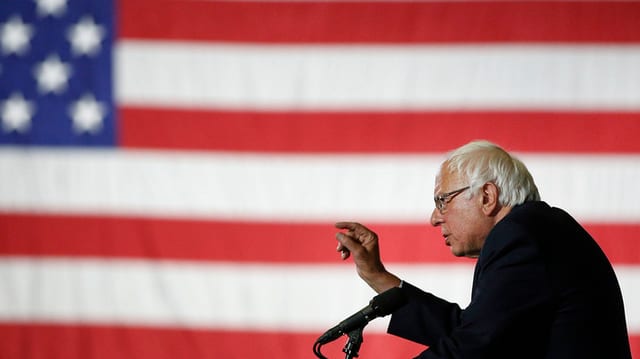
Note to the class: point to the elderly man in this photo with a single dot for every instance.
(542, 287)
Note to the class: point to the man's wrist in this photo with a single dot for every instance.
(385, 283)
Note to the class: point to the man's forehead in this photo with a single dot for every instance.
(446, 179)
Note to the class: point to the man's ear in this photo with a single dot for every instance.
(490, 203)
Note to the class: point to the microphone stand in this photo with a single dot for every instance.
(353, 344)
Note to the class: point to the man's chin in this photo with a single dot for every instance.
(457, 252)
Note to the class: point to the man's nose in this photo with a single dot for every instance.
(436, 217)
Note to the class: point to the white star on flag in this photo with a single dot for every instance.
(52, 75)
(16, 113)
(51, 7)
(15, 36)
(85, 36)
(87, 114)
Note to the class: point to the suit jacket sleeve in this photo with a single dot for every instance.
(509, 309)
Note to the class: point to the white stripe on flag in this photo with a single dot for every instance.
(379, 77)
(287, 187)
(240, 296)
(258, 297)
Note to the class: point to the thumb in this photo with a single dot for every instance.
(347, 241)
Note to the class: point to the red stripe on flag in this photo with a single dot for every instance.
(77, 236)
(378, 132)
(108, 342)
(382, 22)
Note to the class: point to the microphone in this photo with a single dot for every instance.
(381, 305)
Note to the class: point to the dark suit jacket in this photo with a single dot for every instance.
(542, 288)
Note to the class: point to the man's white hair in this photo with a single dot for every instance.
(482, 161)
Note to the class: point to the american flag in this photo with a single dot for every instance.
(170, 171)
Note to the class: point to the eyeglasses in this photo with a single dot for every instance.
(441, 200)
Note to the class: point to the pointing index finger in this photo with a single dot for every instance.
(347, 225)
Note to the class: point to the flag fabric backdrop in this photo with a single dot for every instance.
(170, 171)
